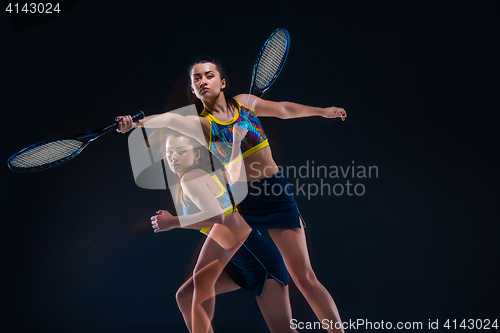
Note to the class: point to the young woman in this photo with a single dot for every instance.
(256, 266)
(260, 209)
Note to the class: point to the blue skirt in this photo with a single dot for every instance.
(256, 261)
(269, 204)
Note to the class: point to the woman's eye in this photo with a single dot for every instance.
(169, 152)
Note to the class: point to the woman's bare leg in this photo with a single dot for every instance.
(204, 296)
(184, 297)
(292, 245)
(274, 305)
(211, 262)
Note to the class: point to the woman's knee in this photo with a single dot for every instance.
(304, 279)
(184, 295)
(206, 276)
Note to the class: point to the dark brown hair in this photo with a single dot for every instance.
(204, 162)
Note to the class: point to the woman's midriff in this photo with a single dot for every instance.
(233, 230)
(260, 164)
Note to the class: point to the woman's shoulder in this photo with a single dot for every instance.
(202, 118)
(193, 175)
(246, 99)
(193, 181)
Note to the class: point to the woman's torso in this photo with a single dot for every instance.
(218, 190)
(257, 156)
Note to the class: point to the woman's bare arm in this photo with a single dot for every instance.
(236, 167)
(190, 125)
(288, 110)
(195, 188)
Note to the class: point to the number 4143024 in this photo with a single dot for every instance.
(484, 324)
(33, 8)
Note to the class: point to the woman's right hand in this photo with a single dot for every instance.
(164, 221)
(125, 124)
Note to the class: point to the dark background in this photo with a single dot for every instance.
(419, 82)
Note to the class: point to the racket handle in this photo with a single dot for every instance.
(113, 126)
(138, 116)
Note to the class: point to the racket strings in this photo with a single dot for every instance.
(46, 153)
(271, 60)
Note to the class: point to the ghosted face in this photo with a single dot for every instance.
(181, 154)
(206, 82)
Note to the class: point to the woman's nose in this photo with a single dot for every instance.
(174, 156)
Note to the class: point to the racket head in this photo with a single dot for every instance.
(270, 61)
(50, 153)
(46, 154)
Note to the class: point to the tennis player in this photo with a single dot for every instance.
(255, 264)
(279, 214)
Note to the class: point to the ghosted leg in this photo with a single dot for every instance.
(211, 262)
(185, 293)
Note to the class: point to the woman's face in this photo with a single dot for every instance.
(180, 154)
(205, 81)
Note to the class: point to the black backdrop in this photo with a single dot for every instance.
(420, 85)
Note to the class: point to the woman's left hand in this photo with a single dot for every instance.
(239, 131)
(333, 112)
(164, 221)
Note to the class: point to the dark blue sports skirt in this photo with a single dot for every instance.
(256, 261)
(269, 203)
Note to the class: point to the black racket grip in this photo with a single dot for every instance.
(135, 118)
(138, 116)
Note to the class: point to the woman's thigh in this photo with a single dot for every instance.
(293, 247)
(214, 254)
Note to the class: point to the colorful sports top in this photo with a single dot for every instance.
(221, 134)
(223, 199)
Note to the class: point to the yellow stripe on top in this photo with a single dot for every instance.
(227, 210)
(211, 117)
(221, 134)
(249, 152)
(217, 180)
(205, 230)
